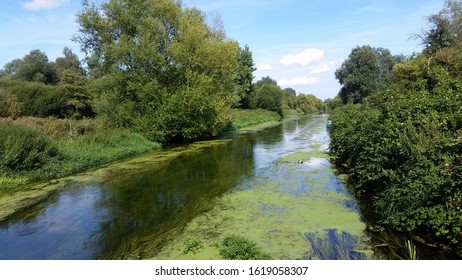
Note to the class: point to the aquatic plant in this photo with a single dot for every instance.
(335, 246)
(236, 247)
(411, 250)
(191, 245)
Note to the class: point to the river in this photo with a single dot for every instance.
(251, 185)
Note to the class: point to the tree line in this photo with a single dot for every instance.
(397, 131)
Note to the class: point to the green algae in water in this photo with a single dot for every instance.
(278, 221)
(305, 156)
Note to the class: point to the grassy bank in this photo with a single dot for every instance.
(252, 119)
(33, 149)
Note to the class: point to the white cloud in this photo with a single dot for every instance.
(298, 81)
(321, 68)
(305, 57)
(264, 67)
(36, 5)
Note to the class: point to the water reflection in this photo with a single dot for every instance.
(145, 209)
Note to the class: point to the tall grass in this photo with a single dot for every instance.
(247, 118)
(33, 149)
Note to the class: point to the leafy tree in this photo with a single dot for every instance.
(309, 103)
(72, 85)
(445, 28)
(265, 80)
(33, 67)
(290, 98)
(245, 77)
(333, 103)
(367, 70)
(173, 75)
(69, 61)
(269, 97)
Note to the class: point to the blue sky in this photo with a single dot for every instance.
(297, 43)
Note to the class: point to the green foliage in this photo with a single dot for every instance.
(402, 147)
(22, 148)
(236, 247)
(290, 98)
(172, 75)
(69, 62)
(100, 147)
(445, 28)
(333, 103)
(366, 71)
(244, 82)
(34, 98)
(246, 118)
(34, 67)
(72, 86)
(35, 149)
(191, 245)
(309, 103)
(269, 97)
(9, 106)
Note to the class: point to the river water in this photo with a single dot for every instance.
(251, 185)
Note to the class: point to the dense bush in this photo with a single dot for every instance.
(402, 149)
(9, 106)
(36, 99)
(22, 148)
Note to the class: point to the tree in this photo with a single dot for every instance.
(446, 28)
(367, 70)
(173, 76)
(69, 61)
(72, 85)
(265, 80)
(269, 97)
(33, 67)
(290, 98)
(245, 77)
(309, 103)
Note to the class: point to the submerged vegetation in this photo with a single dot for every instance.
(400, 142)
(235, 247)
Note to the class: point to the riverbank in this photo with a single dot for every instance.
(94, 155)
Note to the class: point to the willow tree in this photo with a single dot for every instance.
(166, 71)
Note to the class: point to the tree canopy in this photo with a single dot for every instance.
(367, 70)
(173, 74)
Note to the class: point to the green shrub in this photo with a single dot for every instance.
(22, 148)
(236, 247)
(36, 99)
